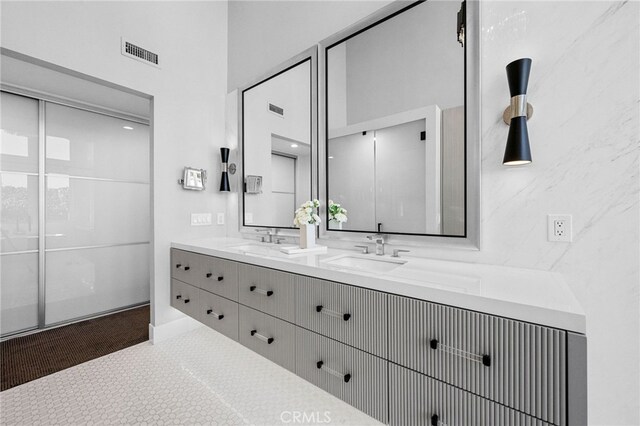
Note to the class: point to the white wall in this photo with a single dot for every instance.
(263, 34)
(188, 94)
(584, 136)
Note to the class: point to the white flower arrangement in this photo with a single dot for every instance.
(306, 214)
(337, 213)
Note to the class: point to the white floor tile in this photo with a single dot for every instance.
(197, 378)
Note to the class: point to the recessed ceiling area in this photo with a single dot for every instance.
(23, 74)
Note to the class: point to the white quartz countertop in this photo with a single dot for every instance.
(534, 296)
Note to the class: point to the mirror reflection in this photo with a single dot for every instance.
(277, 147)
(396, 124)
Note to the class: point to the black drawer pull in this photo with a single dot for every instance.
(178, 265)
(186, 300)
(186, 268)
(261, 291)
(209, 274)
(434, 420)
(220, 278)
(179, 297)
(331, 313)
(345, 377)
(218, 316)
(255, 334)
(483, 359)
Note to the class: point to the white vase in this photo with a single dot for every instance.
(307, 236)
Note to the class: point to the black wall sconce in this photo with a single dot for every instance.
(226, 169)
(516, 115)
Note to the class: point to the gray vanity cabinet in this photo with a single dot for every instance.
(514, 363)
(402, 361)
(217, 276)
(417, 399)
(184, 265)
(218, 313)
(352, 375)
(267, 290)
(353, 315)
(184, 297)
(269, 336)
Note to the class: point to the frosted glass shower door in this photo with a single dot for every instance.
(97, 213)
(19, 213)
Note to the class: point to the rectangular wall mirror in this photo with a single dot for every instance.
(278, 121)
(398, 106)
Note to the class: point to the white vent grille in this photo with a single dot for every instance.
(136, 52)
(276, 110)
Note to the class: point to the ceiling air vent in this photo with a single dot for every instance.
(276, 110)
(136, 52)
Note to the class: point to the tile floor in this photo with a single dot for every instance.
(197, 378)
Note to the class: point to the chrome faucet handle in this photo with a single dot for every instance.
(278, 239)
(365, 248)
(378, 238)
(396, 252)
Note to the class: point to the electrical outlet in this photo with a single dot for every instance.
(220, 218)
(559, 227)
(200, 219)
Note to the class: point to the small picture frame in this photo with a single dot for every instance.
(193, 179)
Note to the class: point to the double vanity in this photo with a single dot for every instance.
(405, 340)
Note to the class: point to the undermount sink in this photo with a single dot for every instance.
(365, 263)
(261, 249)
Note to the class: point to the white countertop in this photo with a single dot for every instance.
(534, 296)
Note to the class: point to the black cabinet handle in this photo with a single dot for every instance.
(345, 377)
(320, 309)
(483, 359)
(186, 300)
(186, 268)
(255, 334)
(434, 420)
(179, 297)
(178, 265)
(220, 278)
(209, 274)
(261, 291)
(218, 316)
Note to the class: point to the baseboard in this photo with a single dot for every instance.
(158, 333)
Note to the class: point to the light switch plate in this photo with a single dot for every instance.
(220, 218)
(200, 219)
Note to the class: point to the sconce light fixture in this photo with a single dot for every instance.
(516, 115)
(226, 169)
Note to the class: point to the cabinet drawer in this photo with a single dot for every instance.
(218, 313)
(184, 265)
(272, 338)
(415, 399)
(267, 290)
(517, 364)
(352, 315)
(217, 276)
(358, 378)
(184, 297)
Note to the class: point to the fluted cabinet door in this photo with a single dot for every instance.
(418, 400)
(520, 365)
(271, 337)
(353, 315)
(267, 290)
(358, 378)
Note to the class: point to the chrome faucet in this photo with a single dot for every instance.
(267, 233)
(379, 240)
